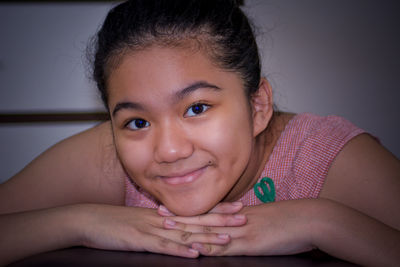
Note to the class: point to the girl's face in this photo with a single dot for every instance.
(182, 126)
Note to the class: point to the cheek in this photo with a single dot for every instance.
(230, 140)
(134, 157)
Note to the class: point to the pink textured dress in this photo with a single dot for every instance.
(298, 164)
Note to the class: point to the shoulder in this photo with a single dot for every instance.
(304, 152)
(92, 150)
(309, 133)
(82, 168)
(92, 156)
(310, 124)
(366, 177)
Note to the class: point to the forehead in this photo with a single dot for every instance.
(162, 70)
(158, 60)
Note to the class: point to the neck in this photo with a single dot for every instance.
(262, 149)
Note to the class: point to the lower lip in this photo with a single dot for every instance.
(185, 179)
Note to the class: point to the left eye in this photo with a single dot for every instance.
(137, 124)
(196, 109)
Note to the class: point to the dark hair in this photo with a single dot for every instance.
(218, 26)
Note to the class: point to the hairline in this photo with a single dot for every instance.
(196, 42)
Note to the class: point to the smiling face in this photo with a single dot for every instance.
(182, 126)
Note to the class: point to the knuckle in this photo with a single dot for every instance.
(207, 249)
(182, 226)
(185, 236)
(164, 242)
(222, 219)
(207, 229)
(219, 250)
(213, 250)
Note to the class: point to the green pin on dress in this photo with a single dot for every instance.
(265, 190)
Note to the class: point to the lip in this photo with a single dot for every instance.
(184, 177)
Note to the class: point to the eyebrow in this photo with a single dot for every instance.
(176, 97)
(193, 87)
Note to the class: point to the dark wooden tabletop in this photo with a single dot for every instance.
(91, 257)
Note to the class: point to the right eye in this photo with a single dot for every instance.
(137, 124)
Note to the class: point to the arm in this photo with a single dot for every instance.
(81, 169)
(355, 218)
(47, 205)
(27, 233)
(91, 225)
(366, 177)
(66, 174)
(296, 226)
(353, 236)
(101, 226)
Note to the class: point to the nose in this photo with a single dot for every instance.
(172, 143)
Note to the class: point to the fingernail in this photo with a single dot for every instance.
(239, 216)
(223, 236)
(197, 246)
(163, 208)
(170, 222)
(237, 203)
(193, 251)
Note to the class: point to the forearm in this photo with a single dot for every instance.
(348, 234)
(27, 233)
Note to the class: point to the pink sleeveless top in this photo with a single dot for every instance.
(298, 163)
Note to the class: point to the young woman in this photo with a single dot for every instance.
(181, 167)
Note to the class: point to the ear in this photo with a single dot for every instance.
(262, 107)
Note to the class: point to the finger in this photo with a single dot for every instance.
(230, 249)
(162, 245)
(227, 207)
(188, 238)
(171, 224)
(163, 211)
(210, 250)
(213, 219)
(233, 232)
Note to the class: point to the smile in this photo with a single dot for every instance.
(184, 178)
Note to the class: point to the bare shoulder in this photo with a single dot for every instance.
(366, 176)
(83, 168)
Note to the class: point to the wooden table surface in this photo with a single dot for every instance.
(79, 256)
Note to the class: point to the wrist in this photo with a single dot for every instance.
(319, 224)
(80, 223)
(350, 235)
(310, 217)
(74, 228)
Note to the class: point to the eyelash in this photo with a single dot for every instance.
(204, 108)
(147, 124)
(203, 105)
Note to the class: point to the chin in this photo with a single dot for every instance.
(189, 208)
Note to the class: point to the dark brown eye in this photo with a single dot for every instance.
(196, 109)
(138, 124)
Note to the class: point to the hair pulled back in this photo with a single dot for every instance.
(219, 26)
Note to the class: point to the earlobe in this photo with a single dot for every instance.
(262, 107)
